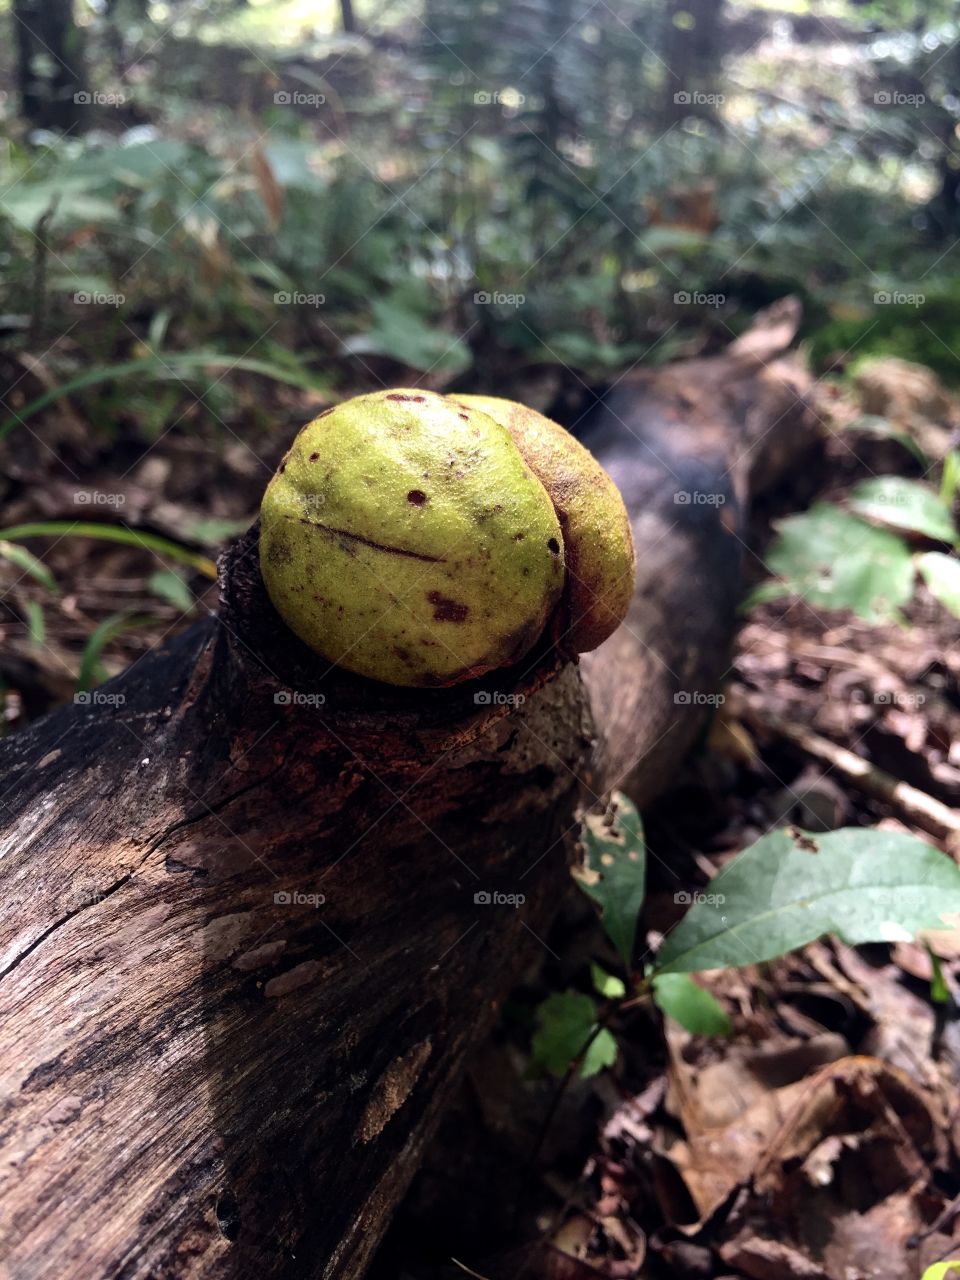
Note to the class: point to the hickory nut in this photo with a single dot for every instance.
(424, 540)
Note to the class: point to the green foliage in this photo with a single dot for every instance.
(941, 573)
(567, 1033)
(791, 888)
(613, 872)
(112, 533)
(905, 504)
(91, 670)
(836, 561)
(680, 998)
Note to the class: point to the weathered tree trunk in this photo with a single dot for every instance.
(241, 947)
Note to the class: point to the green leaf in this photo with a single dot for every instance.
(941, 573)
(614, 869)
(836, 561)
(405, 337)
(29, 564)
(680, 998)
(939, 990)
(567, 1029)
(606, 985)
(214, 532)
(36, 621)
(791, 888)
(168, 585)
(950, 478)
(905, 504)
(91, 672)
(176, 366)
(112, 533)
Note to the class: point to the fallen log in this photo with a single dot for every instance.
(256, 910)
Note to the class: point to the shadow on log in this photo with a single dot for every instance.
(243, 952)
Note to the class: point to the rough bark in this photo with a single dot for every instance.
(204, 1074)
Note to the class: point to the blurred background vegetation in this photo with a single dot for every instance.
(217, 215)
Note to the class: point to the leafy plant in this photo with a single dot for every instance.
(837, 559)
(783, 892)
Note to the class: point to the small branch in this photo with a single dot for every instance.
(929, 814)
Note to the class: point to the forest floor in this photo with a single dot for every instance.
(821, 1139)
(818, 1141)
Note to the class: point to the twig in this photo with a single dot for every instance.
(926, 812)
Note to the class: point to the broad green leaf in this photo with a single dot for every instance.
(566, 1022)
(405, 337)
(905, 504)
(168, 585)
(28, 563)
(678, 996)
(836, 561)
(112, 533)
(790, 888)
(606, 985)
(613, 872)
(941, 573)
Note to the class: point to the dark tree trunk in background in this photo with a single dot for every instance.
(49, 63)
(693, 49)
(347, 16)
